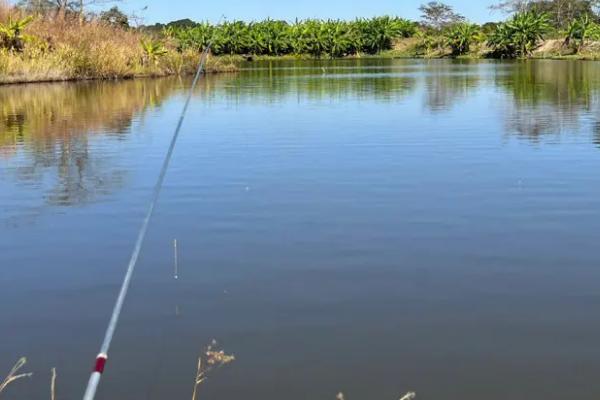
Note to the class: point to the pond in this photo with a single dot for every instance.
(365, 226)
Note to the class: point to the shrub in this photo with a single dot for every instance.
(579, 31)
(461, 36)
(519, 36)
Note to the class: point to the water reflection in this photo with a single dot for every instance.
(550, 97)
(37, 115)
(47, 128)
(449, 83)
(276, 81)
(51, 126)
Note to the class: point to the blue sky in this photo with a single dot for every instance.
(165, 11)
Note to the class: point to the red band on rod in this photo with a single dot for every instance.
(100, 364)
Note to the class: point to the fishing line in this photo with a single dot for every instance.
(92, 387)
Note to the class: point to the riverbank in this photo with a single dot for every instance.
(552, 49)
(107, 63)
(41, 49)
(47, 49)
(28, 71)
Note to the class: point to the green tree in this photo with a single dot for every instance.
(560, 12)
(519, 36)
(579, 31)
(461, 36)
(334, 38)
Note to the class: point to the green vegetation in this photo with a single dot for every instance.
(11, 33)
(519, 36)
(579, 31)
(153, 51)
(332, 38)
(461, 36)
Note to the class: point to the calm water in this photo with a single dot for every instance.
(371, 227)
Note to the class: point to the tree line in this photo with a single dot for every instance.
(440, 28)
(333, 38)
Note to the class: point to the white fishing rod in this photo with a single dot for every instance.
(92, 387)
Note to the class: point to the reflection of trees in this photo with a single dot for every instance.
(52, 124)
(33, 113)
(596, 129)
(274, 82)
(449, 82)
(549, 97)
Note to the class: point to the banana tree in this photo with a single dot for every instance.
(277, 36)
(519, 36)
(153, 51)
(11, 33)
(461, 36)
(232, 37)
(312, 38)
(528, 29)
(338, 41)
(579, 31)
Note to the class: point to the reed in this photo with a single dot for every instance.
(407, 396)
(14, 374)
(211, 359)
(62, 49)
(53, 385)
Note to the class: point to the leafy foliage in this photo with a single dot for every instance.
(153, 51)
(333, 38)
(580, 30)
(461, 36)
(520, 35)
(11, 33)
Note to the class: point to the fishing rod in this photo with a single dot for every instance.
(101, 359)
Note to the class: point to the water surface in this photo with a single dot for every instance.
(369, 226)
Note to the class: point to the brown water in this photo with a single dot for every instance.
(370, 226)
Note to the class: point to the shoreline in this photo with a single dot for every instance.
(106, 79)
(216, 65)
(232, 65)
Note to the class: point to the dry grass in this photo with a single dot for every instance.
(211, 359)
(53, 385)
(409, 396)
(65, 49)
(208, 361)
(4, 10)
(14, 374)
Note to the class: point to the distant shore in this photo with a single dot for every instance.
(47, 47)
(232, 64)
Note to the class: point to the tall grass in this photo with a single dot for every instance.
(14, 374)
(4, 10)
(64, 49)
